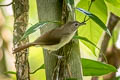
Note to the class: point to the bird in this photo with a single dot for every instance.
(55, 38)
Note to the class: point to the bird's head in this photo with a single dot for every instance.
(73, 25)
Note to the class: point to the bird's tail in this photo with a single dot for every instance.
(22, 47)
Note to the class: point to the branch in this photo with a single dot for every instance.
(113, 20)
(21, 16)
(7, 4)
(88, 10)
(41, 67)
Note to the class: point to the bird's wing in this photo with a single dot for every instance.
(49, 38)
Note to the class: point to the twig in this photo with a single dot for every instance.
(69, 72)
(7, 4)
(86, 20)
(35, 70)
(41, 67)
(88, 10)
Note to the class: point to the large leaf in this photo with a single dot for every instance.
(95, 19)
(86, 40)
(113, 6)
(35, 27)
(115, 3)
(91, 30)
(95, 68)
(90, 68)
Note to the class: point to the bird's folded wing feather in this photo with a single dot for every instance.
(49, 38)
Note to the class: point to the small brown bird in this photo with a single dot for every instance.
(55, 38)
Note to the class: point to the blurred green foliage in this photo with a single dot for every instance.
(36, 60)
(1, 1)
(113, 6)
(92, 31)
(36, 54)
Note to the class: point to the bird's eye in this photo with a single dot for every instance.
(76, 24)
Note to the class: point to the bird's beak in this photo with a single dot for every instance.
(82, 23)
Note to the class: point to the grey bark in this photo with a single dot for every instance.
(70, 65)
(20, 8)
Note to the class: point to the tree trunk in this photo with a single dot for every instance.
(69, 66)
(20, 8)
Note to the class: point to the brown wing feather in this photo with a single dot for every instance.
(49, 38)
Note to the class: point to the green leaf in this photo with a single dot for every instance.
(41, 67)
(95, 19)
(117, 78)
(113, 7)
(10, 72)
(95, 68)
(115, 3)
(35, 27)
(85, 39)
(91, 30)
